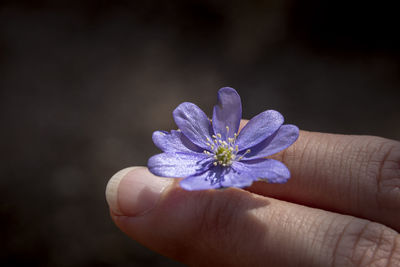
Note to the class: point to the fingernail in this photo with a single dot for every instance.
(112, 189)
(135, 191)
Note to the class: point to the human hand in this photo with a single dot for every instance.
(340, 208)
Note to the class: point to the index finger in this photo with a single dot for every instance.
(349, 174)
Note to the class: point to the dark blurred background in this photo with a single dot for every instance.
(84, 84)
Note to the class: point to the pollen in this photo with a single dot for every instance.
(223, 152)
(224, 156)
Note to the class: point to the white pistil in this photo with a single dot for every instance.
(247, 152)
(208, 153)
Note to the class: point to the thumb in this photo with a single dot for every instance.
(194, 227)
(230, 227)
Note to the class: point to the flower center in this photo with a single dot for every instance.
(223, 152)
(224, 156)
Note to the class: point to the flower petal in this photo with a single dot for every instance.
(227, 112)
(206, 180)
(175, 141)
(216, 177)
(178, 165)
(193, 123)
(236, 179)
(259, 128)
(281, 139)
(265, 169)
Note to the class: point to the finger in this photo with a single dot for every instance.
(357, 175)
(234, 227)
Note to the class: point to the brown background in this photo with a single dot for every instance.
(83, 86)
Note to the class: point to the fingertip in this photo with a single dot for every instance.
(112, 189)
(134, 191)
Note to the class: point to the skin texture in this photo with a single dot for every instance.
(341, 207)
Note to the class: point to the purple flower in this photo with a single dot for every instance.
(212, 154)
